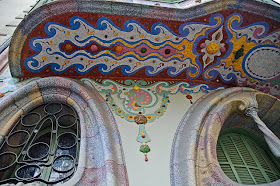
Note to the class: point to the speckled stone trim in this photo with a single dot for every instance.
(101, 159)
(193, 158)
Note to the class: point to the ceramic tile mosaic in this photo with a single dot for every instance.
(223, 45)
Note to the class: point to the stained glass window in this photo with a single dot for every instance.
(43, 146)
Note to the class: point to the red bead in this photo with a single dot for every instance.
(143, 136)
(119, 49)
(146, 158)
(1, 95)
(189, 96)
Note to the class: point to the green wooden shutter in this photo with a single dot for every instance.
(245, 162)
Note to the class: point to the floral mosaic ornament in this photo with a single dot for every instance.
(140, 119)
(213, 47)
(8, 85)
(157, 88)
(224, 44)
(129, 116)
(136, 96)
(197, 50)
(85, 46)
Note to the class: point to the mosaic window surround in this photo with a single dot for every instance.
(97, 125)
(194, 150)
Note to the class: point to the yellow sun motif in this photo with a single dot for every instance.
(212, 48)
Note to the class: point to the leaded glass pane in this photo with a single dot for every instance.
(42, 146)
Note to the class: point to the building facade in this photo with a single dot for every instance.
(154, 93)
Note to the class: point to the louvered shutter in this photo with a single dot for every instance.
(245, 162)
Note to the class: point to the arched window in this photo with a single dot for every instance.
(71, 124)
(43, 146)
(205, 153)
(245, 161)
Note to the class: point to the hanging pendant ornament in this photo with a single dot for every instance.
(189, 97)
(140, 119)
(142, 137)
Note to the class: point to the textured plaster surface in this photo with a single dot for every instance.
(101, 159)
(212, 112)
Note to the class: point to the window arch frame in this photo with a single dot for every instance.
(100, 148)
(193, 157)
(34, 132)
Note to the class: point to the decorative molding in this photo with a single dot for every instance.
(219, 42)
(96, 121)
(12, 84)
(272, 140)
(193, 158)
(137, 96)
(144, 94)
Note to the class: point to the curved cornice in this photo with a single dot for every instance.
(32, 20)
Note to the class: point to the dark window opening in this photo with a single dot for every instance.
(43, 146)
(246, 162)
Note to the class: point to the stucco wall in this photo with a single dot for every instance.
(156, 171)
